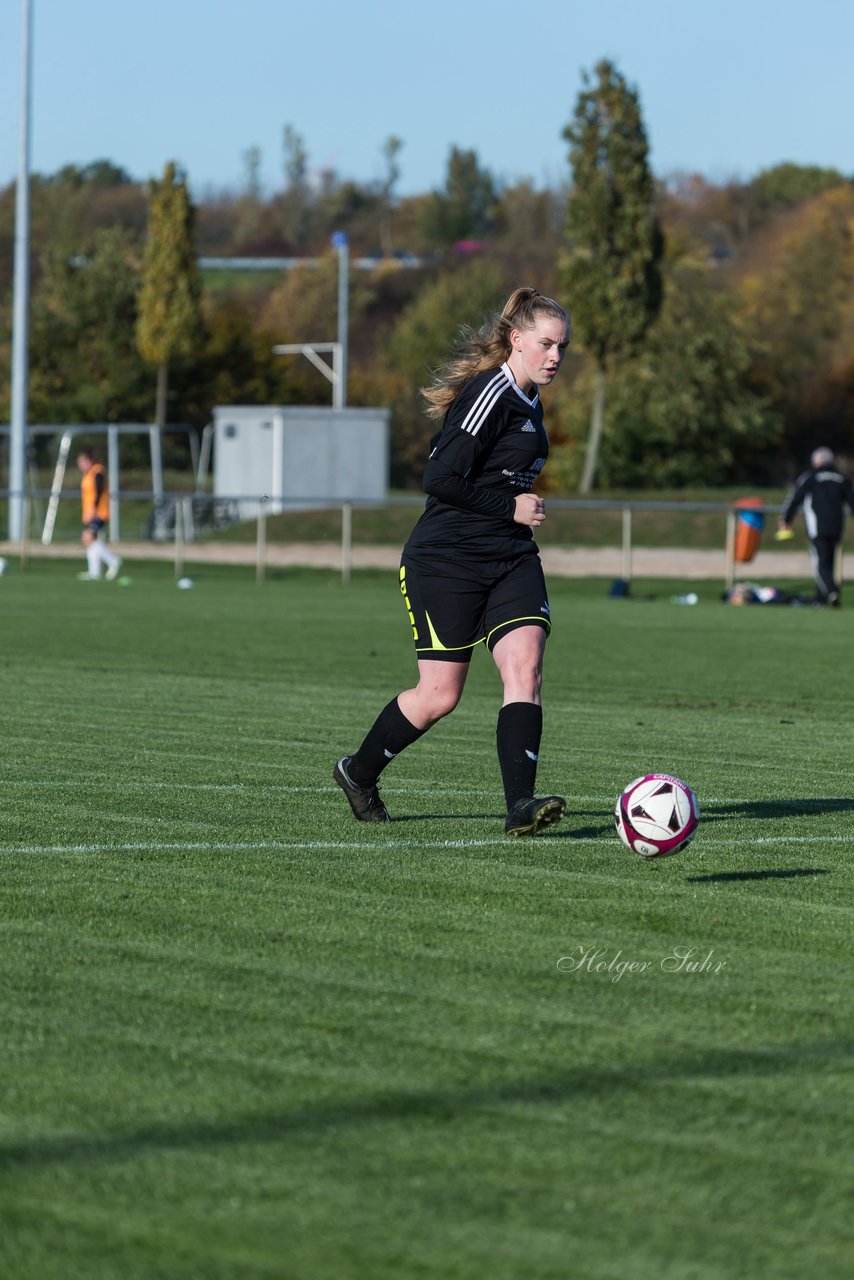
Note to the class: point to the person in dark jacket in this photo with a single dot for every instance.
(824, 493)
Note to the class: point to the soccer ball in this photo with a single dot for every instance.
(657, 815)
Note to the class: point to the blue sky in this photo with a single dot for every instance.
(726, 88)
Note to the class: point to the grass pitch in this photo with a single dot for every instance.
(244, 1036)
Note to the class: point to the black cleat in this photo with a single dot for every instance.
(527, 817)
(364, 801)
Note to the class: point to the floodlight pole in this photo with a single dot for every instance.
(339, 242)
(20, 321)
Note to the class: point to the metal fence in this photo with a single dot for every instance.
(178, 522)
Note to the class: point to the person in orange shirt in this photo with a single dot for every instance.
(96, 512)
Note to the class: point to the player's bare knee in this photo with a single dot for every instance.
(522, 686)
(521, 671)
(441, 701)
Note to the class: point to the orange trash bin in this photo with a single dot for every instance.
(748, 528)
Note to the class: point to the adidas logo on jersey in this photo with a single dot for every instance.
(529, 426)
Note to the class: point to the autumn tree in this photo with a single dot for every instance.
(423, 339)
(235, 366)
(169, 325)
(465, 209)
(683, 412)
(789, 184)
(796, 290)
(611, 276)
(528, 234)
(84, 364)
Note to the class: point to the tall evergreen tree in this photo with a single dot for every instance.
(611, 273)
(295, 201)
(169, 324)
(390, 150)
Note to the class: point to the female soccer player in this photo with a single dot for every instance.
(470, 572)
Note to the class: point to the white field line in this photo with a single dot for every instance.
(377, 846)
(247, 845)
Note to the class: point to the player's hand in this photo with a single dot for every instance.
(529, 509)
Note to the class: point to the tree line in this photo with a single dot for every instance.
(712, 323)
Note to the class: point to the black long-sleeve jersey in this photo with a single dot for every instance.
(824, 493)
(492, 446)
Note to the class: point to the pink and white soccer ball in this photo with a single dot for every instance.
(657, 815)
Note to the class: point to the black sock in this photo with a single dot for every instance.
(520, 727)
(387, 737)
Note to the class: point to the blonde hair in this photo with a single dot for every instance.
(489, 346)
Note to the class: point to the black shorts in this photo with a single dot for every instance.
(94, 526)
(453, 607)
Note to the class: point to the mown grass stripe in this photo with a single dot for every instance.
(414, 842)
